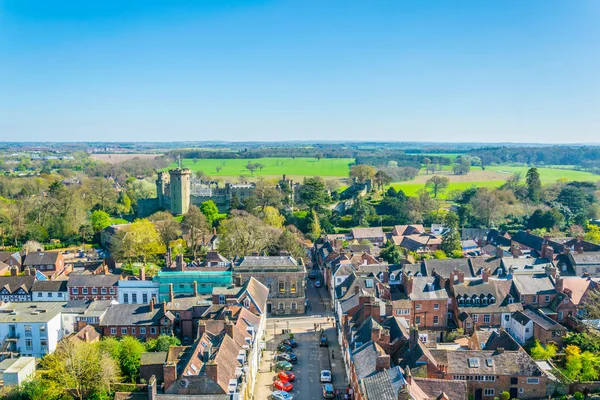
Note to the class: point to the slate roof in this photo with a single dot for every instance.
(364, 359)
(13, 283)
(543, 321)
(455, 390)
(367, 233)
(583, 259)
(49, 286)
(153, 358)
(350, 302)
(500, 340)
(133, 314)
(534, 284)
(266, 263)
(402, 230)
(526, 265)
(354, 281)
(383, 385)
(507, 363)
(41, 258)
(445, 267)
(257, 291)
(521, 318)
(93, 280)
(427, 288)
(499, 288)
(478, 264)
(10, 257)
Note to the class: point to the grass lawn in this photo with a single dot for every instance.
(547, 175)
(410, 189)
(276, 166)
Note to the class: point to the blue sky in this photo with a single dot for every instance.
(436, 70)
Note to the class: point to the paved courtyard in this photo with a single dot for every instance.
(311, 358)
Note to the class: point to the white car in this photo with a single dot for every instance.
(281, 395)
(326, 376)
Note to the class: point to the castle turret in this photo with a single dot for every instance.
(162, 184)
(180, 190)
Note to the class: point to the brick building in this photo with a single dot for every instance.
(98, 287)
(47, 262)
(142, 321)
(429, 296)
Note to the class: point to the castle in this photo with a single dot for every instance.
(176, 190)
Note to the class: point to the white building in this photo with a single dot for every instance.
(137, 291)
(15, 371)
(31, 329)
(521, 327)
(78, 313)
(49, 291)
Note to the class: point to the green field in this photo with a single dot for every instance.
(451, 156)
(330, 167)
(547, 175)
(411, 189)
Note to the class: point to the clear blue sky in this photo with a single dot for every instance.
(421, 70)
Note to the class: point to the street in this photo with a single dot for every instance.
(311, 358)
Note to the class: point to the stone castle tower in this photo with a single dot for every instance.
(179, 190)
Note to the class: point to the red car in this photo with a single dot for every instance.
(283, 385)
(286, 376)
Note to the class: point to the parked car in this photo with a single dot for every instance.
(290, 342)
(286, 376)
(289, 357)
(312, 275)
(283, 366)
(326, 376)
(317, 284)
(284, 348)
(328, 391)
(323, 341)
(281, 395)
(283, 385)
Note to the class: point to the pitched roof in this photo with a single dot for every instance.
(578, 286)
(367, 233)
(454, 390)
(444, 268)
(365, 359)
(427, 288)
(541, 320)
(49, 286)
(93, 280)
(479, 263)
(402, 230)
(500, 340)
(133, 314)
(153, 358)
(589, 258)
(267, 263)
(534, 284)
(499, 288)
(13, 283)
(10, 257)
(41, 258)
(257, 291)
(383, 385)
(475, 362)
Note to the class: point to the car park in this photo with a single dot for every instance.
(284, 348)
(328, 392)
(283, 366)
(326, 376)
(281, 395)
(283, 385)
(289, 357)
(290, 342)
(286, 376)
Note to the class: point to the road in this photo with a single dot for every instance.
(311, 358)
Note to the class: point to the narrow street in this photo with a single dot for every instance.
(311, 358)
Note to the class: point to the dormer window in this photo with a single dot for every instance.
(461, 301)
(247, 302)
(476, 300)
(392, 277)
(492, 300)
(484, 301)
(468, 301)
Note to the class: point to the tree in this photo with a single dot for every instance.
(540, 352)
(451, 238)
(593, 234)
(591, 304)
(130, 350)
(167, 227)
(251, 167)
(391, 253)
(200, 175)
(162, 343)
(360, 211)
(505, 395)
(99, 220)
(362, 172)
(534, 185)
(427, 162)
(271, 216)
(575, 198)
(292, 241)
(210, 211)
(437, 184)
(315, 226)
(102, 193)
(137, 242)
(265, 195)
(313, 193)
(382, 179)
(573, 363)
(198, 227)
(79, 368)
(244, 233)
(589, 365)
(124, 203)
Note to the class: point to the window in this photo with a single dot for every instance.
(134, 298)
(60, 294)
(526, 330)
(103, 290)
(492, 300)
(521, 390)
(402, 311)
(522, 299)
(534, 300)
(369, 283)
(507, 317)
(94, 290)
(293, 306)
(84, 290)
(514, 381)
(145, 298)
(510, 300)
(484, 301)
(27, 330)
(153, 330)
(75, 290)
(281, 306)
(125, 298)
(292, 286)
(423, 338)
(475, 318)
(486, 318)
(473, 362)
(29, 344)
(547, 299)
(468, 325)
(489, 362)
(142, 331)
(112, 290)
(476, 300)
(44, 344)
(418, 306)
(113, 331)
(123, 331)
(40, 294)
(461, 301)
(247, 302)
(133, 331)
(436, 320)
(281, 287)
(221, 299)
(43, 332)
(436, 306)
(488, 392)
(418, 320)
(533, 381)
(49, 294)
(560, 315)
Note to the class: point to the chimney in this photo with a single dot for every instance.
(211, 371)
(152, 304)
(228, 314)
(13, 271)
(201, 329)
(485, 274)
(364, 300)
(551, 271)
(142, 274)
(413, 339)
(171, 294)
(372, 309)
(407, 282)
(382, 362)
(163, 306)
(229, 328)
(179, 263)
(207, 353)
(356, 289)
(195, 289)
(152, 388)
(559, 284)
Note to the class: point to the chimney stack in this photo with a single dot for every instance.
(485, 274)
(356, 289)
(559, 284)
(171, 293)
(407, 282)
(201, 329)
(229, 328)
(179, 263)
(13, 271)
(164, 307)
(195, 289)
(382, 362)
(152, 304)
(142, 274)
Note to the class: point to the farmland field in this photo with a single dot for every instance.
(115, 158)
(293, 167)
